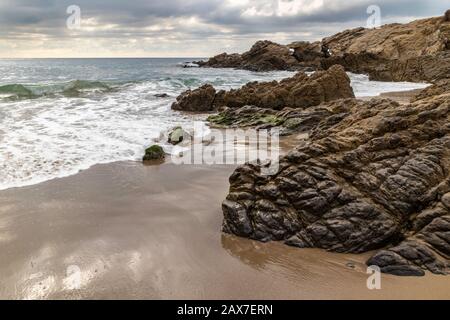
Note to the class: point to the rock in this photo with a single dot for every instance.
(438, 88)
(300, 91)
(263, 56)
(416, 51)
(447, 16)
(288, 120)
(247, 116)
(161, 95)
(393, 41)
(199, 100)
(178, 135)
(428, 68)
(155, 152)
(376, 177)
(446, 200)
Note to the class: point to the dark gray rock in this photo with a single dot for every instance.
(376, 177)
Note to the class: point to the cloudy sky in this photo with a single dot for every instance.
(182, 28)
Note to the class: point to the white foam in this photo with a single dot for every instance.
(365, 88)
(47, 138)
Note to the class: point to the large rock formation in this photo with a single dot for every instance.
(428, 68)
(394, 41)
(416, 51)
(263, 56)
(373, 175)
(199, 100)
(438, 88)
(300, 91)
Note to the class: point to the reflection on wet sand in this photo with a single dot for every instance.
(130, 231)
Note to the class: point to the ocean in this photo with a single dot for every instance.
(60, 116)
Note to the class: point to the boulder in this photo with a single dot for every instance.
(198, 100)
(447, 16)
(373, 175)
(178, 135)
(155, 152)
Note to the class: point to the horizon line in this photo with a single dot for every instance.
(26, 58)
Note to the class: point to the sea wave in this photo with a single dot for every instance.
(75, 88)
(52, 130)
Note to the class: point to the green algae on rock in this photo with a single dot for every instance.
(155, 152)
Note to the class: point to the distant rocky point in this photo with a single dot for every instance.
(416, 51)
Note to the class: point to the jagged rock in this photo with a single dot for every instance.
(440, 87)
(416, 51)
(155, 152)
(428, 68)
(447, 16)
(198, 100)
(300, 91)
(308, 55)
(393, 41)
(263, 56)
(376, 177)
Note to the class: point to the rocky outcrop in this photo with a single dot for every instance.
(199, 100)
(288, 120)
(393, 41)
(300, 91)
(428, 68)
(438, 88)
(373, 175)
(416, 51)
(263, 56)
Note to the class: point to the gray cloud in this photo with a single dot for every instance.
(176, 24)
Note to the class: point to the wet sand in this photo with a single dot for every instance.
(130, 231)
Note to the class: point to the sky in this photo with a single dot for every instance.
(182, 28)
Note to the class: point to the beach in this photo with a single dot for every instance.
(128, 230)
(153, 232)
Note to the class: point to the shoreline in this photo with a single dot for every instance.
(154, 231)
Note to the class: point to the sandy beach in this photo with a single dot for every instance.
(153, 232)
(135, 231)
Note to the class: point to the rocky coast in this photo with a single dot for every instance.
(373, 175)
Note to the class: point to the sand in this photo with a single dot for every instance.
(125, 230)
